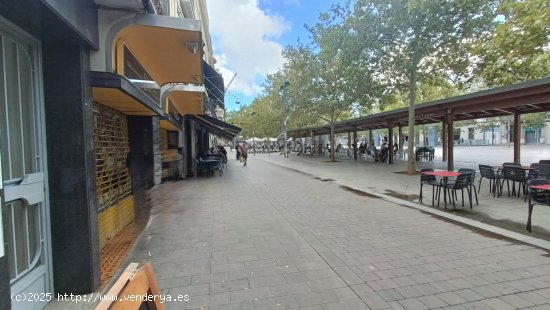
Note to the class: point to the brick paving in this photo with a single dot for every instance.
(265, 237)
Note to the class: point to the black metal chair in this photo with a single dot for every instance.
(217, 166)
(516, 175)
(489, 173)
(532, 174)
(202, 167)
(426, 179)
(537, 196)
(543, 171)
(472, 173)
(461, 183)
(431, 153)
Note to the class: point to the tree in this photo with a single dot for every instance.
(319, 85)
(405, 40)
(325, 81)
(519, 48)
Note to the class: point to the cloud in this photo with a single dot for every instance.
(244, 41)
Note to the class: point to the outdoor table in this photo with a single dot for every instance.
(543, 187)
(209, 162)
(445, 175)
(500, 167)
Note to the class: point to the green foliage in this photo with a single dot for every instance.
(519, 48)
(403, 42)
(534, 120)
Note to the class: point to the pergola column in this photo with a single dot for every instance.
(355, 143)
(390, 143)
(371, 138)
(517, 136)
(312, 133)
(444, 140)
(349, 143)
(450, 141)
(400, 130)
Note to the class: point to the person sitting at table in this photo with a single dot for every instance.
(211, 151)
(223, 152)
(384, 152)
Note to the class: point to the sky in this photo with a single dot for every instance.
(248, 37)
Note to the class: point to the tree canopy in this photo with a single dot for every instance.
(368, 56)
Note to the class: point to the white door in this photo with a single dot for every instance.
(25, 214)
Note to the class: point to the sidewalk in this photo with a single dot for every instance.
(509, 213)
(262, 237)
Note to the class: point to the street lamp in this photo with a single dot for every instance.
(283, 90)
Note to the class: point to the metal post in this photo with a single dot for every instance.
(355, 143)
(283, 89)
(390, 143)
(444, 139)
(517, 137)
(450, 142)
(312, 133)
(401, 140)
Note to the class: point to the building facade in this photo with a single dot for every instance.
(101, 100)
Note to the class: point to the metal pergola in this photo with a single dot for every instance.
(528, 97)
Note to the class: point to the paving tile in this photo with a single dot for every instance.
(498, 304)
(351, 304)
(267, 281)
(316, 298)
(174, 282)
(517, 301)
(247, 305)
(534, 298)
(283, 302)
(250, 294)
(192, 290)
(208, 300)
(408, 292)
(389, 295)
(290, 289)
(451, 298)
(209, 278)
(469, 295)
(324, 284)
(369, 296)
(228, 286)
(432, 301)
(412, 304)
(348, 276)
(476, 305)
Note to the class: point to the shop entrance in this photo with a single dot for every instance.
(25, 211)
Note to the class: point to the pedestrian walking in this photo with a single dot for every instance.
(244, 153)
(238, 150)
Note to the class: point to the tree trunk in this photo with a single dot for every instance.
(411, 160)
(332, 155)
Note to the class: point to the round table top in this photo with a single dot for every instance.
(522, 167)
(542, 187)
(443, 173)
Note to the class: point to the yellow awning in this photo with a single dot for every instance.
(168, 48)
(187, 99)
(167, 125)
